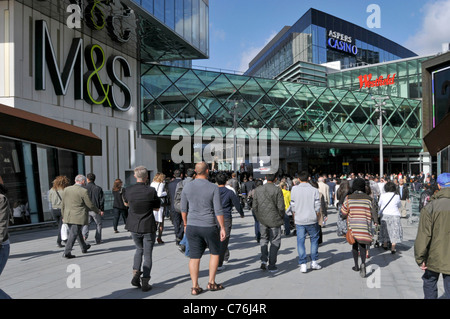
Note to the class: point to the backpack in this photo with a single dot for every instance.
(177, 197)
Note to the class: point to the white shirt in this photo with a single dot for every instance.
(160, 190)
(381, 187)
(393, 207)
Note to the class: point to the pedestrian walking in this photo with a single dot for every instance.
(431, 248)
(229, 200)
(323, 212)
(403, 193)
(201, 210)
(98, 199)
(357, 208)
(341, 194)
(324, 189)
(141, 200)
(249, 186)
(287, 205)
(55, 198)
(119, 208)
(75, 209)
(190, 176)
(6, 219)
(268, 204)
(175, 216)
(258, 183)
(305, 201)
(159, 184)
(390, 227)
(427, 194)
(332, 189)
(233, 182)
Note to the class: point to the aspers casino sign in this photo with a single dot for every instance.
(341, 42)
(84, 82)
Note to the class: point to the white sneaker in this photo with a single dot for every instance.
(220, 268)
(315, 265)
(303, 268)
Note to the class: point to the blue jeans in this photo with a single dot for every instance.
(98, 230)
(143, 255)
(314, 232)
(257, 227)
(185, 242)
(430, 280)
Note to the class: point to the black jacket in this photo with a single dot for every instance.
(172, 189)
(142, 200)
(405, 192)
(118, 200)
(96, 195)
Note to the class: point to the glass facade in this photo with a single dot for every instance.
(315, 37)
(307, 73)
(28, 169)
(176, 97)
(187, 18)
(443, 161)
(407, 84)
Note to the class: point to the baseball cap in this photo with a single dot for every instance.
(444, 180)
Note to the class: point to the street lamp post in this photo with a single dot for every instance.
(235, 115)
(379, 104)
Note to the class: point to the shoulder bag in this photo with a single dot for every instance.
(380, 213)
(349, 235)
(164, 200)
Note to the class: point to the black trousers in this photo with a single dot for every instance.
(178, 226)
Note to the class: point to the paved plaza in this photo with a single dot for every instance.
(36, 269)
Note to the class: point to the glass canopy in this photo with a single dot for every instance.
(173, 97)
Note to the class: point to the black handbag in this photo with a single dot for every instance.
(164, 200)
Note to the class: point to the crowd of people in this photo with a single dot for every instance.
(201, 204)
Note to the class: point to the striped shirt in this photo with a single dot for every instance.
(358, 210)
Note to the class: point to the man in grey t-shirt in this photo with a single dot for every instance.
(200, 207)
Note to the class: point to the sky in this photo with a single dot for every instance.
(239, 29)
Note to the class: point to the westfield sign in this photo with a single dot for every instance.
(366, 81)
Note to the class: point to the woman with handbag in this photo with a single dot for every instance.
(391, 226)
(159, 184)
(341, 194)
(55, 198)
(357, 208)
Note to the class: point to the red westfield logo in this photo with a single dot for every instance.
(366, 81)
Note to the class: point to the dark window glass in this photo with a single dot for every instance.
(12, 173)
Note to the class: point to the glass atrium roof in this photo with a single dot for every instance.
(177, 97)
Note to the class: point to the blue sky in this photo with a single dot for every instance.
(240, 28)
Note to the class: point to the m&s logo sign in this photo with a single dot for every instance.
(95, 59)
